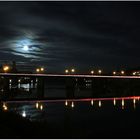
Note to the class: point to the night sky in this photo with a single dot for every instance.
(61, 35)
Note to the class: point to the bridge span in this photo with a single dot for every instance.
(70, 86)
(70, 75)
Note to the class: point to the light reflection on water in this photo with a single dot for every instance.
(35, 110)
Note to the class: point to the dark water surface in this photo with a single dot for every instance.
(87, 118)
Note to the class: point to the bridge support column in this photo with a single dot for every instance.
(98, 89)
(70, 88)
(40, 88)
(6, 90)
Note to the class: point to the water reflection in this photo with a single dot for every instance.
(34, 107)
(39, 105)
(19, 85)
(25, 86)
(69, 103)
(24, 114)
(92, 102)
(100, 103)
(122, 103)
(72, 104)
(114, 101)
(5, 106)
(134, 103)
(66, 103)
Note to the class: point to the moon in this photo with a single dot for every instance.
(25, 48)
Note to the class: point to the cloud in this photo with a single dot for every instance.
(70, 33)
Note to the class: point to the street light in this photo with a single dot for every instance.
(134, 73)
(114, 72)
(72, 70)
(66, 71)
(37, 70)
(99, 71)
(122, 72)
(6, 68)
(42, 69)
(92, 72)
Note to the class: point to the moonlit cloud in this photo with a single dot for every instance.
(61, 34)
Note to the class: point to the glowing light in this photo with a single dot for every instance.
(42, 69)
(5, 106)
(25, 48)
(24, 114)
(66, 71)
(6, 68)
(72, 70)
(134, 73)
(92, 102)
(122, 103)
(134, 101)
(19, 80)
(114, 72)
(92, 72)
(122, 72)
(100, 104)
(41, 107)
(99, 71)
(37, 70)
(134, 106)
(72, 104)
(114, 102)
(66, 103)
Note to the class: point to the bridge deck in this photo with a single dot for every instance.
(65, 75)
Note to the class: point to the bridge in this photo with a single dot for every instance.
(73, 85)
(69, 75)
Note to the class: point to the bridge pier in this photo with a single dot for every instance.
(70, 88)
(40, 88)
(99, 87)
(5, 88)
